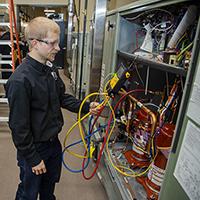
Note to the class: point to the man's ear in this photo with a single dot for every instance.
(33, 44)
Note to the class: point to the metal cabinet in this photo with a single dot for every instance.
(174, 188)
(122, 39)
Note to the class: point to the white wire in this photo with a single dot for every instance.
(151, 104)
(160, 29)
(149, 11)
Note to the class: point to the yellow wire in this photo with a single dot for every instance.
(79, 116)
(185, 49)
(181, 38)
(104, 90)
(67, 135)
(163, 148)
(72, 127)
(108, 76)
(139, 148)
(78, 121)
(117, 167)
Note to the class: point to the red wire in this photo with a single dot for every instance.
(83, 163)
(105, 137)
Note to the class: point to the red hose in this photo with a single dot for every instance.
(105, 137)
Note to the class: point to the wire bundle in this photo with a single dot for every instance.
(86, 140)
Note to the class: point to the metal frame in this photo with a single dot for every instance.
(97, 44)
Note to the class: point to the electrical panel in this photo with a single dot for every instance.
(155, 41)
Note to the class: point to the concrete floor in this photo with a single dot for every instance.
(71, 186)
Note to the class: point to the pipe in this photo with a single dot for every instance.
(149, 112)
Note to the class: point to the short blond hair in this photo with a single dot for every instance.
(39, 27)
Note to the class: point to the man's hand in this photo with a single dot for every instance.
(93, 108)
(39, 169)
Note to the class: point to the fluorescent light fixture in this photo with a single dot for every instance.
(49, 11)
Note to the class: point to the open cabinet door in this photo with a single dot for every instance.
(182, 176)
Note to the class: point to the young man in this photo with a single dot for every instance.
(36, 94)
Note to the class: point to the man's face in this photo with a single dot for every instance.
(49, 46)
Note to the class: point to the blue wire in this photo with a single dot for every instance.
(78, 171)
(88, 145)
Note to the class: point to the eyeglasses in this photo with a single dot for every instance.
(54, 43)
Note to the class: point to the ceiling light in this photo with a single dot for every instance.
(49, 11)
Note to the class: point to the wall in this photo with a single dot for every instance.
(90, 8)
(41, 2)
(113, 4)
(38, 2)
(120, 3)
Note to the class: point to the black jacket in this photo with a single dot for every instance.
(36, 94)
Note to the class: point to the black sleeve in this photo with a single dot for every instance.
(68, 101)
(71, 103)
(19, 121)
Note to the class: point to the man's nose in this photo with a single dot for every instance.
(57, 47)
